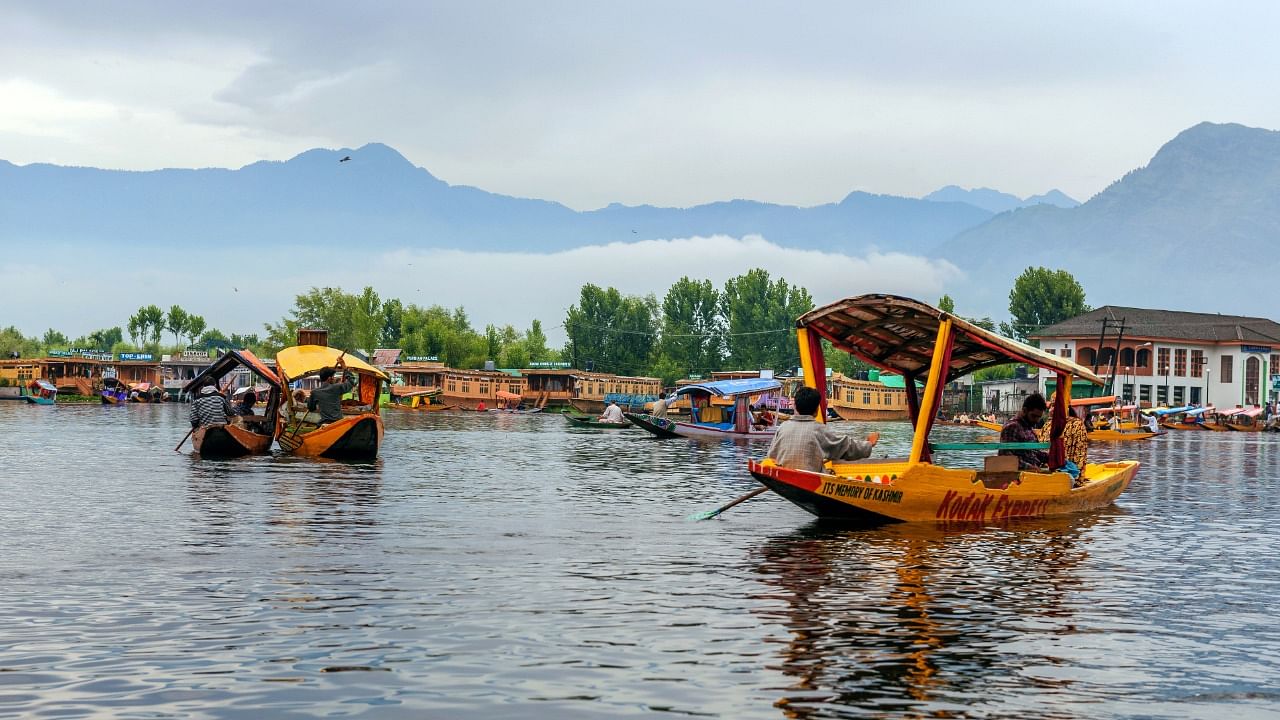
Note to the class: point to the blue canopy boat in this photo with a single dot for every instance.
(710, 420)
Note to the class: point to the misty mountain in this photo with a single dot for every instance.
(378, 196)
(996, 201)
(1196, 228)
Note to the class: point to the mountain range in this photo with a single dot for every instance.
(1201, 216)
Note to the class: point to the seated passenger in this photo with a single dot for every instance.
(244, 408)
(1022, 429)
(1075, 440)
(802, 443)
(613, 414)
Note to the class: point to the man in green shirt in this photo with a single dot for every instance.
(327, 399)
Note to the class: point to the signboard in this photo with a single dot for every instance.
(1255, 348)
(549, 365)
(135, 356)
(422, 358)
(59, 353)
(195, 354)
(96, 355)
(695, 376)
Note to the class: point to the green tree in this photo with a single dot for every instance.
(392, 318)
(759, 317)
(176, 322)
(946, 304)
(53, 338)
(1041, 297)
(692, 332)
(535, 343)
(611, 332)
(13, 341)
(195, 326)
(151, 322)
(135, 328)
(213, 338)
(444, 333)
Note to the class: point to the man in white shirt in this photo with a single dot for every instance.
(613, 414)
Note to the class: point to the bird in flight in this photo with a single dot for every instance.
(345, 159)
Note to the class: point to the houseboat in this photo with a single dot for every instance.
(921, 342)
(592, 393)
(478, 389)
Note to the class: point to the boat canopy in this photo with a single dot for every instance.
(1172, 411)
(504, 395)
(1091, 401)
(140, 386)
(1242, 412)
(423, 393)
(303, 360)
(1105, 410)
(1200, 411)
(229, 361)
(43, 385)
(898, 334)
(732, 388)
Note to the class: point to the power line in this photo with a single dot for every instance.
(673, 335)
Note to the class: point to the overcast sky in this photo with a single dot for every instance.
(666, 103)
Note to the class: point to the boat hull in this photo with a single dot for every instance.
(591, 422)
(1118, 436)
(660, 427)
(888, 492)
(229, 441)
(1241, 427)
(355, 437)
(989, 425)
(853, 413)
(691, 430)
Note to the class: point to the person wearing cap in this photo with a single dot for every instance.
(210, 407)
(327, 399)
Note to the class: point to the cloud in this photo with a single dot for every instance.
(239, 294)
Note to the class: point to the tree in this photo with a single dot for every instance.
(392, 316)
(52, 338)
(1041, 297)
(176, 322)
(353, 321)
(611, 332)
(213, 339)
(135, 328)
(151, 322)
(535, 342)
(195, 326)
(947, 305)
(759, 318)
(692, 333)
(13, 341)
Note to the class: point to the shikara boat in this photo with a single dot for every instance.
(709, 420)
(244, 435)
(988, 425)
(39, 392)
(358, 434)
(421, 401)
(592, 421)
(923, 343)
(1119, 434)
(113, 392)
(1246, 420)
(1192, 419)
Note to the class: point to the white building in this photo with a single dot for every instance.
(1173, 358)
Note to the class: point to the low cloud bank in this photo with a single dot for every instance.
(239, 293)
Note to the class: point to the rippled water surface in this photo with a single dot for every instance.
(509, 566)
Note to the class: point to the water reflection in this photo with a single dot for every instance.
(917, 620)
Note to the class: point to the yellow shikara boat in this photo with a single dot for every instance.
(358, 435)
(989, 425)
(921, 342)
(1121, 435)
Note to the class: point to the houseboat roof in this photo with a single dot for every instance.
(732, 388)
(302, 360)
(898, 334)
(229, 361)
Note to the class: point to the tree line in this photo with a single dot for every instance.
(696, 328)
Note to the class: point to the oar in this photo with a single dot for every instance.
(722, 508)
(184, 439)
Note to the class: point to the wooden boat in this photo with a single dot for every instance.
(39, 392)
(1245, 420)
(246, 435)
(988, 425)
(710, 420)
(659, 427)
(421, 401)
(358, 434)
(113, 392)
(591, 421)
(1121, 435)
(921, 342)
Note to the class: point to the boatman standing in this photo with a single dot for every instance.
(327, 399)
(210, 407)
(802, 443)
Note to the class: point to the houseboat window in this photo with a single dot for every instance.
(1162, 361)
(1180, 363)
(1225, 376)
(1197, 363)
(484, 388)
(866, 398)
(1144, 358)
(453, 386)
(466, 386)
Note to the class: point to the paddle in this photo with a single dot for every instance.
(722, 508)
(184, 439)
(290, 441)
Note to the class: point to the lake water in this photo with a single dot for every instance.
(512, 567)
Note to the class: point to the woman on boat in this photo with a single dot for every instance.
(802, 443)
(1075, 441)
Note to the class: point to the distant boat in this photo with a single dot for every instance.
(39, 392)
(358, 434)
(708, 420)
(113, 392)
(591, 421)
(244, 435)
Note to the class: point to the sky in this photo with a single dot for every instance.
(588, 103)
(668, 103)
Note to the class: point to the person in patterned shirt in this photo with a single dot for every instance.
(210, 407)
(1022, 429)
(1075, 440)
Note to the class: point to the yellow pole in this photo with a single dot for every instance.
(806, 364)
(936, 373)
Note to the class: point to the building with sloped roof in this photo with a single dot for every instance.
(1168, 357)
